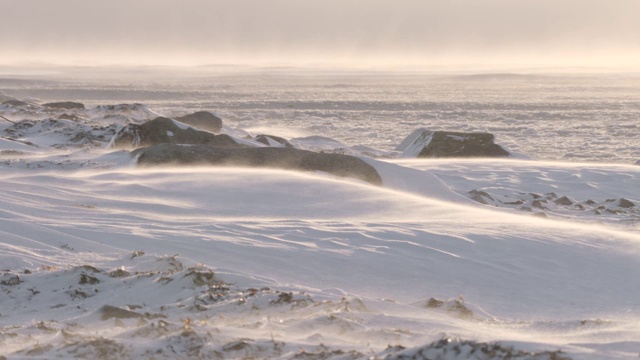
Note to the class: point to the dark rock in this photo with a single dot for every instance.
(67, 105)
(540, 215)
(281, 158)
(167, 131)
(270, 140)
(624, 203)
(119, 273)
(9, 279)
(434, 303)
(563, 201)
(538, 204)
(480, 196)
(112, 312)
(445, 144)
(551, 195)
(15, 103)
(66, 116)
(590, 202)
(204, 120)
(535, 196)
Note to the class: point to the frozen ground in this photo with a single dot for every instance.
(448, 259)
(578, 117)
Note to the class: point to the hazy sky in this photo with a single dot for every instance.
(346, 32)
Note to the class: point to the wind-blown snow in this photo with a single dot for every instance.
(454, 258)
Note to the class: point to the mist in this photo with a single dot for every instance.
(354, 33)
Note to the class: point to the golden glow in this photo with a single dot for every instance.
(405, 35)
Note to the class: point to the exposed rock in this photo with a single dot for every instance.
(273, 141)
(434, 303)
(9, 279)
(15, 103)
(112, 312)
(443, 144)
(538, 204)
(281, 158)
(204, 120)
(563, 201)
(464, 349)
(480, 196)
(71, 117)
(166, 131)
(624, 203)
(67, 105)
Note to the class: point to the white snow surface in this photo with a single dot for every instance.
(449, 259)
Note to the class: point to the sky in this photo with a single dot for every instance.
(351, 33)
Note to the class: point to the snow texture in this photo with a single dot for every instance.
(450, 259)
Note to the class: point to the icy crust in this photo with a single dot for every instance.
(144, 306)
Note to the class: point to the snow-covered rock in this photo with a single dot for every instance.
(67, 105)
(163, 130)
(273, 141)
(204, 120)
(270, 157)
(436, 144)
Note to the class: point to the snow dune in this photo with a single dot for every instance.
(457, 259)
(536, 283)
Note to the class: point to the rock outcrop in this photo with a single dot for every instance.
(273, 141)
(14, 102)
(204, 120)
(166, 131)
(66, 105)
(264, 157)
(444, 144)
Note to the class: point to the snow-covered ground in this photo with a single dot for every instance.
(449, 259)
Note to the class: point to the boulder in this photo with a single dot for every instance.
(204, 120)
(72, 117)
(163, 130)
(624, 203)
(66, 105)
(444, 144)
(273, 141)
(263, 157)
(563, 201)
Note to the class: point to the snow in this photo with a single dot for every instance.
(526, 280)
(413, 144)
(101, 259)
